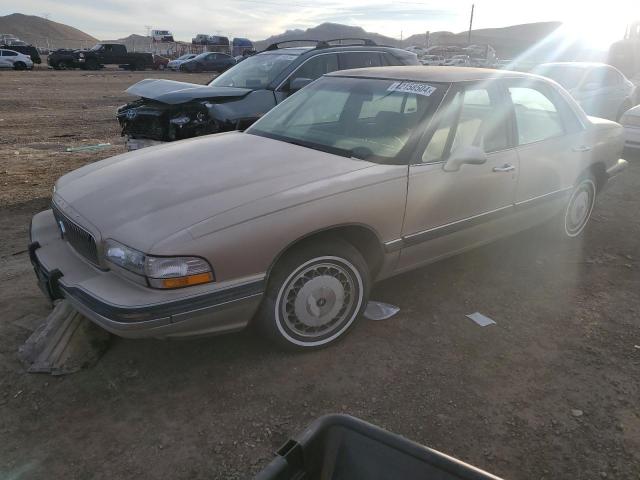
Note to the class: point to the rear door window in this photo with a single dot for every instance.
(359, 60)
(537, 117)
(317, 66)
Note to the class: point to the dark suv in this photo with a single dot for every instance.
(169, 110)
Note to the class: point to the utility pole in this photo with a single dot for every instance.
(426, 43)
(470, 25)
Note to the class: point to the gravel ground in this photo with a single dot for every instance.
(550, 392)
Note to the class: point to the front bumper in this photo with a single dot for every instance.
(129, 309)
(138, 143)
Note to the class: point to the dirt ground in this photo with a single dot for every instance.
(550, 392)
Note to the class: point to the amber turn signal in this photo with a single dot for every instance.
(187, 281)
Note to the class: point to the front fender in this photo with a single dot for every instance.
(241, 113)
(246, 240)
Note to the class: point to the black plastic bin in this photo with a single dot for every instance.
(340, 447)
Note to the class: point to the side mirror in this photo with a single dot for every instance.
(466, 155)
(299, 83)
(590, 86)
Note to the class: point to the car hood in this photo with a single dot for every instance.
(172, 92)
(143, 197)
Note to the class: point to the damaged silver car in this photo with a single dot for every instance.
(168, 110)
(362, 175)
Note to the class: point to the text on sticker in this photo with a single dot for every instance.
(412, 87)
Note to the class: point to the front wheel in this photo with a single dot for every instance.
(315, 294)
(20, 66)
(92, 64)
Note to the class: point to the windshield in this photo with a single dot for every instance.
(254, 72)
(370, 119)
(186, 57)
(568, 77)
(96, 47)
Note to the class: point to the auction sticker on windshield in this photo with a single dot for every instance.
(412, 87)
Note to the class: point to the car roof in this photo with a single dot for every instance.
(432, 74)
(288, 51)
(329, 49)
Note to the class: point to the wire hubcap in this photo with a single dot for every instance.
(318, 299)
(579, 209)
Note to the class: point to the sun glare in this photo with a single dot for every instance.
(598, 30)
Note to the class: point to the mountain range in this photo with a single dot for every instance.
(45, 33)
(508, 41)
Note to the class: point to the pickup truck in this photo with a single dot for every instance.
(100, 55)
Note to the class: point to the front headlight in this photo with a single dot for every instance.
(180, 120)
(160, 272)
(125, 257)
(81, 55)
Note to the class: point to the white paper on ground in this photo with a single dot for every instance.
(380, 311)
(481, 319)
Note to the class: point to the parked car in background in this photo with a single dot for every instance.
(631, 122)
(208, 62)
(159, 62)
(168, 110)
(432, 60)
(63, 58)
(419, 51)
(362, 175)
(240, 46)
(175, 64)
(100, 55)
(458, 61)
(217, 43)
(200, 39)
(600, 89)
(15, 60)
(29, 50)
(161, 36)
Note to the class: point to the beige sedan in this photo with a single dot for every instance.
(362, 175)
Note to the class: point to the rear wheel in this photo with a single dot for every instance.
(315, 294)
(573, 218)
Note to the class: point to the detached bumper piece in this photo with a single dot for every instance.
(47, 281)
(617, 168)
(339, 446)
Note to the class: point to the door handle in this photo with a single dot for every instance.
(582, 148)
(507, 167)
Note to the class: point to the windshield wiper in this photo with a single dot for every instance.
(359, 153)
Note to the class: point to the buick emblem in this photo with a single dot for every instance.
(131, 114)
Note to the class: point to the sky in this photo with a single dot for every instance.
(599, 23)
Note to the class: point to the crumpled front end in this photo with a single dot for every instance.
(145, 119)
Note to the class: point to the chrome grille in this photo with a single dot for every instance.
(79, 239)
